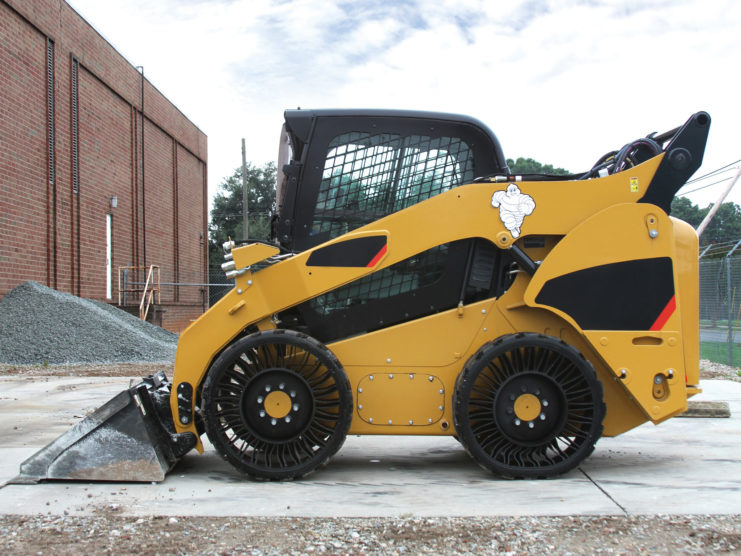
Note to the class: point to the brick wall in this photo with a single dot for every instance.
(59, 172)
(23, 175)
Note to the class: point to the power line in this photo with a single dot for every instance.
(705, 186)
(726, 168)
(712, 172)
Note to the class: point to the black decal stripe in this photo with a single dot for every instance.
(351, 253)
(628, 295)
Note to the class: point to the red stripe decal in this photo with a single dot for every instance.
(665, 314)
(378, 256)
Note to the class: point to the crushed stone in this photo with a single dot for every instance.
(41, 326)
(711, 369)
(112, 533)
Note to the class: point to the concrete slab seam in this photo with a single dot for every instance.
(604, 492)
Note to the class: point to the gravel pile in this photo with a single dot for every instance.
(712, 370)
(41, 326)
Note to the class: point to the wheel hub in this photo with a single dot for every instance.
(530, 409)
(527, 407)
(277, 405)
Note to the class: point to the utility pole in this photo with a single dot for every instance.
(245, 225)
(716, 206)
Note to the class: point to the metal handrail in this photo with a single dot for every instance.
(150, 292)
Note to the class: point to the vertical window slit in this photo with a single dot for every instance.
(51, 206)
(75, 129)
(50, 108)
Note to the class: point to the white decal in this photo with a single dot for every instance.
(513, 206)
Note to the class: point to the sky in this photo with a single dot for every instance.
(562, 82)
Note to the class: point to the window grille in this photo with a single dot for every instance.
(405, 276)
(369, 176)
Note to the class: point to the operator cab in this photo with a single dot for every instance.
(339, 170)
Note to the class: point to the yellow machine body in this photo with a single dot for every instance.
(403, 377)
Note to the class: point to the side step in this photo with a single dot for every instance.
(131, 438)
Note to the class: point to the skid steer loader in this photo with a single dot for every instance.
(416, 287)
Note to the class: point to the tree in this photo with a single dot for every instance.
(530, 166)
(724, 227)
(227, 214)
(683, 209)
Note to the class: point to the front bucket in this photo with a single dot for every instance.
(124, 440)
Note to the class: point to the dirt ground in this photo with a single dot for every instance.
(89, 369)
(62, 535)
(111, 532)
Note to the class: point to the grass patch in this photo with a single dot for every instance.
(718, 352)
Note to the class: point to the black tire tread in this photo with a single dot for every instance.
(345, 417)
(467, 375)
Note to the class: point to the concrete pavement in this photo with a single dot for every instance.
(717, 335)
(681, 466)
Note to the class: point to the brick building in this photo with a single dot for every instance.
(98, 170)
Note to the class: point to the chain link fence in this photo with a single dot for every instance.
(218, 285)
(720, 303)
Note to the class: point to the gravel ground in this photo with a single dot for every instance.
(711, 370)
(63, 535)
(39, 325)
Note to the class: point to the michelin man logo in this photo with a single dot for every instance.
(513, 207)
